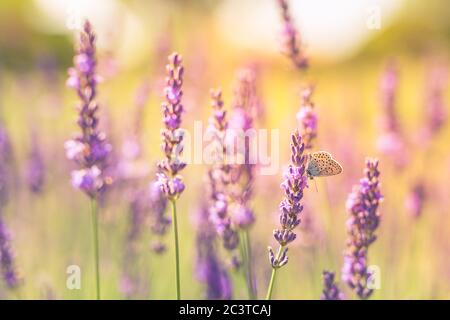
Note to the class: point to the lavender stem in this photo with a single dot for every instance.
(94, 212)
(248, 258)
(177, 253)
(274, 272)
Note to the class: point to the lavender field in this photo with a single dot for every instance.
(271, 149)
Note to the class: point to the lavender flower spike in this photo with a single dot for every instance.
(89, 149)
(293, 185)
(435, 113)
(209, 269)
(307, 118)
(391, 142)
(330, 289)
(290, 207)
(172, 145)
(169, 180)
(219, 176)
(416, 198)
(5, 165)
(290, 38)
(364, 218)
(35, 171)
(9, 273)
(159, 222)
(242, 175)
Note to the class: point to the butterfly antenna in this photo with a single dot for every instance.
(315, 183)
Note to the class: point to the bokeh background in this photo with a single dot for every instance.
(51, 228)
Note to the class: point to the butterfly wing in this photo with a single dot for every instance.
(313, 168)
(332, 168)
(321, 164)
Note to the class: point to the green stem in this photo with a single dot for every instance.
(248, 259)
(177, 253)
(272, 281)
(243, 253)
(94, 213)
(272, 277)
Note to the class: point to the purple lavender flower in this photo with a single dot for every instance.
(8, 270)
(307, 118)
(89, 149)
(127, 286)
(435, 113)
(35, 170)
(147, 207)
(330, 289)
(170, 182)
(364, 218)
(246, 97)
(5, 160)
(219, 176)
(388, 88)
(139, 206)
(5, 143)
(130, 166)
(391, 141)
(88, 180)
(242, 175)
(160, 222)
(131, 284)
(131, 148)
(209, 269)
(243, 217)
(290, 207)
(291, 45)
(415, 201)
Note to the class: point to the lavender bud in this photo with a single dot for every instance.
(278, 263)
(330, 289)
(88, 180)
(284, 237)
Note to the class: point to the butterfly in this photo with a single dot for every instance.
(321, 164)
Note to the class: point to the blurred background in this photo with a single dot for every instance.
(349, 55)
